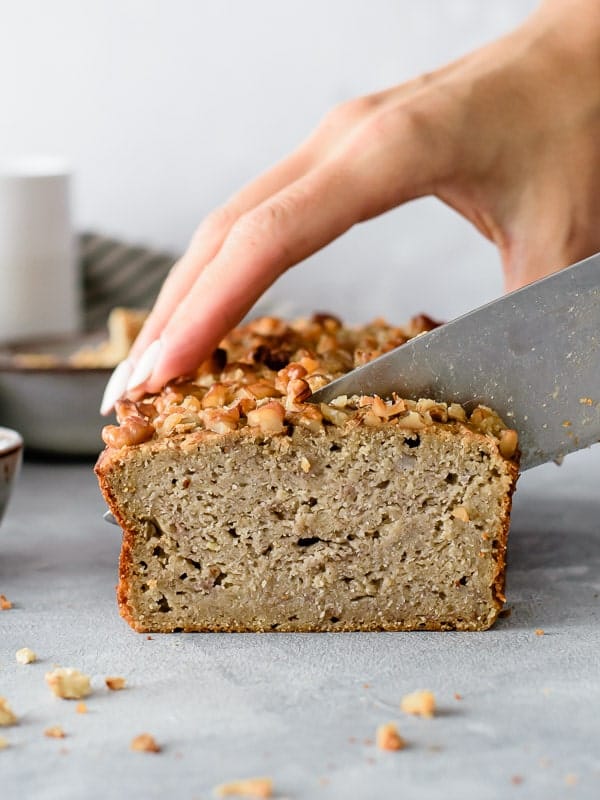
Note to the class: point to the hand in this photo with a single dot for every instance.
(508, 136)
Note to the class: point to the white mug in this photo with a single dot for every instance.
(39, 282)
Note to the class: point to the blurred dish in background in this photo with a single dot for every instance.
(11, 451)
(51, 388)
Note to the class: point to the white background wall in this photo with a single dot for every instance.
(165, 107)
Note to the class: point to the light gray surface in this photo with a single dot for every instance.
(286, 705)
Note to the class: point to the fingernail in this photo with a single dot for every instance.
(145, 366)
(117, 383)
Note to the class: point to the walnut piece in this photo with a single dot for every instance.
(114, 683)
(5, 603)
(70, 684)
(420, 703)
(144, 743)
(55, 732)
(25, 656)
(7, 716)
(388, 738)
(249, 787)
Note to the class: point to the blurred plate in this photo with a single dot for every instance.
(51, 402)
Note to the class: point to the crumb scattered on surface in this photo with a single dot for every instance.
(420, 703)
(115, 683)
(25, 656)
(145, 743)
(4, 743)
(516, 780)
(388, 737)
(586, 401)
(248, 787)
(81, 708)
(5, 603)
(366, 685)
(571, 779)
(68, 683)
(55, 732)
(539, 631)
(7, 716)
(149, 638)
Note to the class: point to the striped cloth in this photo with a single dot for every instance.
(118, 274)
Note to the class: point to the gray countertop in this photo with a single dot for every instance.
(302, 708)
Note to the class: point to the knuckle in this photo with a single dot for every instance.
(218, 221)
(350, 112)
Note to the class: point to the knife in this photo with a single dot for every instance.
(533, 356)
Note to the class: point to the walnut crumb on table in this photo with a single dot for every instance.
(420, 703)
(25, 656)
(55, 732)
(4, 743)
(114, 683)
(70, 684)
(145, 743)
(248, 787)
(7, 716)
(539, 631)
(5, 603)
(388, 737)
(81, 708)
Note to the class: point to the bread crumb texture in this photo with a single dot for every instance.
(25, 656)
(68, 683)
(245, 507)
(420, 704)
(248, 787)
(145, 743)
(388, 738)
(7, 716)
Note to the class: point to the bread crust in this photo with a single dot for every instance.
(482, 429)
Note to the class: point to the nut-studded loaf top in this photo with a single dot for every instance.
(263, 373)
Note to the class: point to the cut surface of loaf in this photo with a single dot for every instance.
(245, 508)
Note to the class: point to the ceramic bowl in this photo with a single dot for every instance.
(11, 451)
(55, 406)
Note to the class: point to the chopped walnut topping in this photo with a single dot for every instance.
(7, 716)
(268, 417)
(70, 684)
(388, 737)
(25, 656)
(5, 604)
(264, 373)
(145, 743)
(420, 703)
(249, 787)
(55, 732)
(115, 684)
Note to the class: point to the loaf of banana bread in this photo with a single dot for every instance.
(246, 508)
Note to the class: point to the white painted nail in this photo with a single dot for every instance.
(117, 383)
(145, 366)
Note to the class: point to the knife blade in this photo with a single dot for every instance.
(532, 355)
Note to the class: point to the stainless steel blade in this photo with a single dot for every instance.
(108, 517)
(533, 356)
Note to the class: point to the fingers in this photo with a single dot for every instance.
(208, 239)
(279, 233)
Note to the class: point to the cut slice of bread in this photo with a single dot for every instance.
(246, 508)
